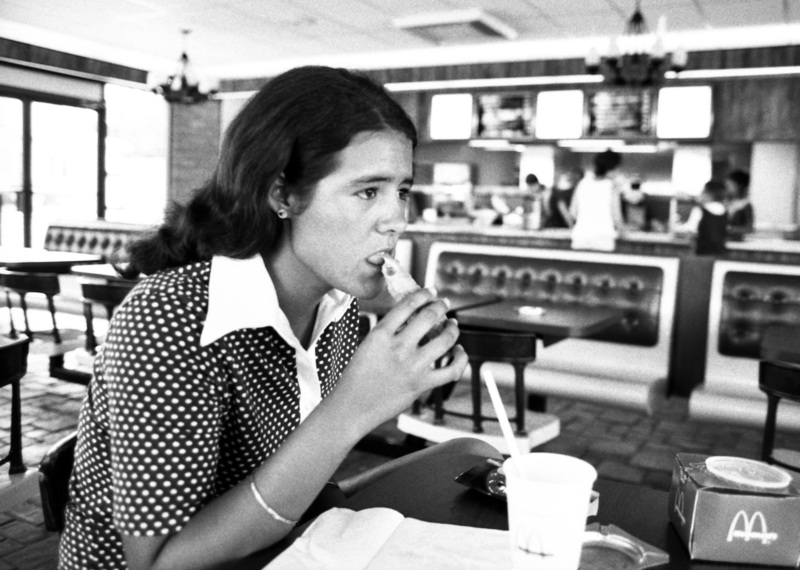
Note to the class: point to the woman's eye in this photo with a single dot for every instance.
(403, 193)
(368, 193)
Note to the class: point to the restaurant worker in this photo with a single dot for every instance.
(708, 220)
(231, 386)
(560, 199)
(740, 209)
(597, 205)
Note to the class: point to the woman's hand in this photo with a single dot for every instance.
(392, 367)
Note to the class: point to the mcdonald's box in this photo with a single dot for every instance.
(731, 509)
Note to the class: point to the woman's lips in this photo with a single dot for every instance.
(377, 258)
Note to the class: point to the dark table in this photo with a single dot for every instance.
(102, 271)
(499, 332)
(556, 320)
(427, 491)
(42, 260)
(13, 366)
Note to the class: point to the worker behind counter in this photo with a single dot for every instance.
(741, 219)
(708, 220)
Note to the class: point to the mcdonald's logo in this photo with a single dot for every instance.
(679, 502)
(747, 533)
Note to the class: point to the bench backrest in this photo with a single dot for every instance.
(98, 238)
(746, 298)
(637, 285)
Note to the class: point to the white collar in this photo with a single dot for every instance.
(241, 295)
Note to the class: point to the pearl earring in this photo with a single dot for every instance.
(282, 214)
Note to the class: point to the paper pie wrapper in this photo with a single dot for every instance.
(399, 285)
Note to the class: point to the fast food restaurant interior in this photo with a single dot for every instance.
(111, 110)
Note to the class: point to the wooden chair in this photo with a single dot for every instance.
(54, 473)
(22, 284)
(109, 295)
(13, 366)
(778, 380)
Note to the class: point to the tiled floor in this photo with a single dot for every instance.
(623, 445)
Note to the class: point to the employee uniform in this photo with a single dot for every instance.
(712, 230)
(200, 379)
(594, 219)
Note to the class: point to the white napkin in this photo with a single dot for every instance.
(383, 539)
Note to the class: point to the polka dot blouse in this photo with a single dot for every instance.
(170, 423)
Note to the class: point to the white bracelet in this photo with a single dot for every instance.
(270, 511)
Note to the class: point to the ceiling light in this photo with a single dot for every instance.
(456, 26)
(637, 56)
(184, 86)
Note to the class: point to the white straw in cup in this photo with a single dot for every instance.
(502, 417)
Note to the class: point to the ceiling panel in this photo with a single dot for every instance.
(228, 33)
(725, 14)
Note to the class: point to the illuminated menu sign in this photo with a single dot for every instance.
(620, 113)
(505, 116)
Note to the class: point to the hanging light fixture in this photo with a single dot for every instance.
(637, 56)
(184, 86)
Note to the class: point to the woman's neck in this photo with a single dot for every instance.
(296, 298)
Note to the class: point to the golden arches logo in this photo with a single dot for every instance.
(747, 533)
(530, 541)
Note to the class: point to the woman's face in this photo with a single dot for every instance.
(354, 214)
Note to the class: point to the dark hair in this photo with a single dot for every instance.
(531, 179)
(295, 125)
(606, 162)
(715, 189)
(742, 181)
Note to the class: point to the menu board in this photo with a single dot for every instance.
(507, 116)
(621, 113)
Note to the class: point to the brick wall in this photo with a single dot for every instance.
(194, 147)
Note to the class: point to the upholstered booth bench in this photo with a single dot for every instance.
(626, 365)
(746, 298)
(107, 239)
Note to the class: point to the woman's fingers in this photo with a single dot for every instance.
(451, 371)
(424, 320)
(402, 312)
(438, 346)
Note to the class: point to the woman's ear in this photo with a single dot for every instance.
(278, 197)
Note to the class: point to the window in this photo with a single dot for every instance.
(63, 166)
(136, 155)
(11, 218)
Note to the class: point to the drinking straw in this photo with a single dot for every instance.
(502, 417)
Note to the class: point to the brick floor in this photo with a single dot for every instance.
(623, 445)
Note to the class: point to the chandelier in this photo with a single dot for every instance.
(184, 86)
(637, 57)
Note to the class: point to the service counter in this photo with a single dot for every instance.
(694, 291)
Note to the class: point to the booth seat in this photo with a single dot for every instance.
(626, 365)
(746, 298)
(107, 239)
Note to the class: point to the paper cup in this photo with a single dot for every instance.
(548, 496)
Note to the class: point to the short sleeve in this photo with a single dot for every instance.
(164, 401)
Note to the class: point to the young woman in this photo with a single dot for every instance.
(230, 386)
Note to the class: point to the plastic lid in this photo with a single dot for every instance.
(748, 472)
